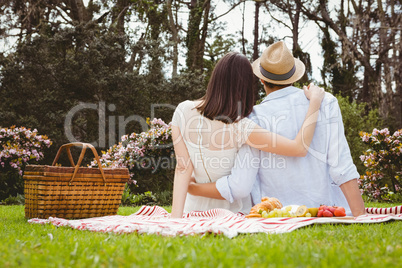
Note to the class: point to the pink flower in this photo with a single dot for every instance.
(384, 131)
(377, 193)
(397, 133)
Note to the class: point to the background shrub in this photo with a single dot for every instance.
(383, 161)
(149, 156)
(19, 146)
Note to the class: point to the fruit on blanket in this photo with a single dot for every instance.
(279, 213)
(331, 211)
(327, 213)
(302, 211)
(320, 212)
(323, 207)
(340, 212)
(313, 211)
(271, 214)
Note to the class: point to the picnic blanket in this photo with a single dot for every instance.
(156, 220)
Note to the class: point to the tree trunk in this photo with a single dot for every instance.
(398, 80)
(243, 43)
(295, 27)
(204, 32)
(118, 15)
(155, 18)
(78, 11)
(195, 40)
(175, 37)
(296, 49)
(257, 84)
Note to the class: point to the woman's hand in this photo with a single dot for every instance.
(314, 92)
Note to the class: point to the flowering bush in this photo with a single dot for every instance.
(149, 156)
(383, 162)
(19, 146)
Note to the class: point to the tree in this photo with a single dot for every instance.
(198, 21)
(293, 12)
(175, 36)
(341, 70)
(369, 38)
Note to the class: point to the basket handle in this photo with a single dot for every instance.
(70, 157)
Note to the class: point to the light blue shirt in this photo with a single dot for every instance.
(312, 180)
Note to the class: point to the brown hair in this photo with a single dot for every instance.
(230, 93)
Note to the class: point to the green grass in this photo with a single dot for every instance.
(357, 245)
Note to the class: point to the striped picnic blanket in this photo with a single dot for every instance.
(156, 220)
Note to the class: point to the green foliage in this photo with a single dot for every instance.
(355, 120)
(11, 184)
(55, 72)
(130, 199)
(83, 64)
(19, 199)
(340, 75)
(163, 198)
(392, 197)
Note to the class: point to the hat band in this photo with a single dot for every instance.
(278, 77)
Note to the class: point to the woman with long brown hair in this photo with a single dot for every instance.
(207, 133)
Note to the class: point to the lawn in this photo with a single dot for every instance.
(358, 245)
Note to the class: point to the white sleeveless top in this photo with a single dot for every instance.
(212, 146)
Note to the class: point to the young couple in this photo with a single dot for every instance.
(291, 146)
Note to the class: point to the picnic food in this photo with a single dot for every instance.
(327, 213)
(339, 212)
(313, 211)
(267, 204)
(271, 207)
(331, 211)
(302, 211)
(282, 212)
(256, 215)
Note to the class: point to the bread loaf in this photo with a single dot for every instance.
(267, 204)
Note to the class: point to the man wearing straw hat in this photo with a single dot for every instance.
(326, 175)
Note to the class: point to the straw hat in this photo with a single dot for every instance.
(278, 66)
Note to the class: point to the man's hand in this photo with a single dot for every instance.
(204, 189)
(192, 186)
(192, 180)
(352, 193)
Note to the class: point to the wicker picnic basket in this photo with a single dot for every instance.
(73, 192)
